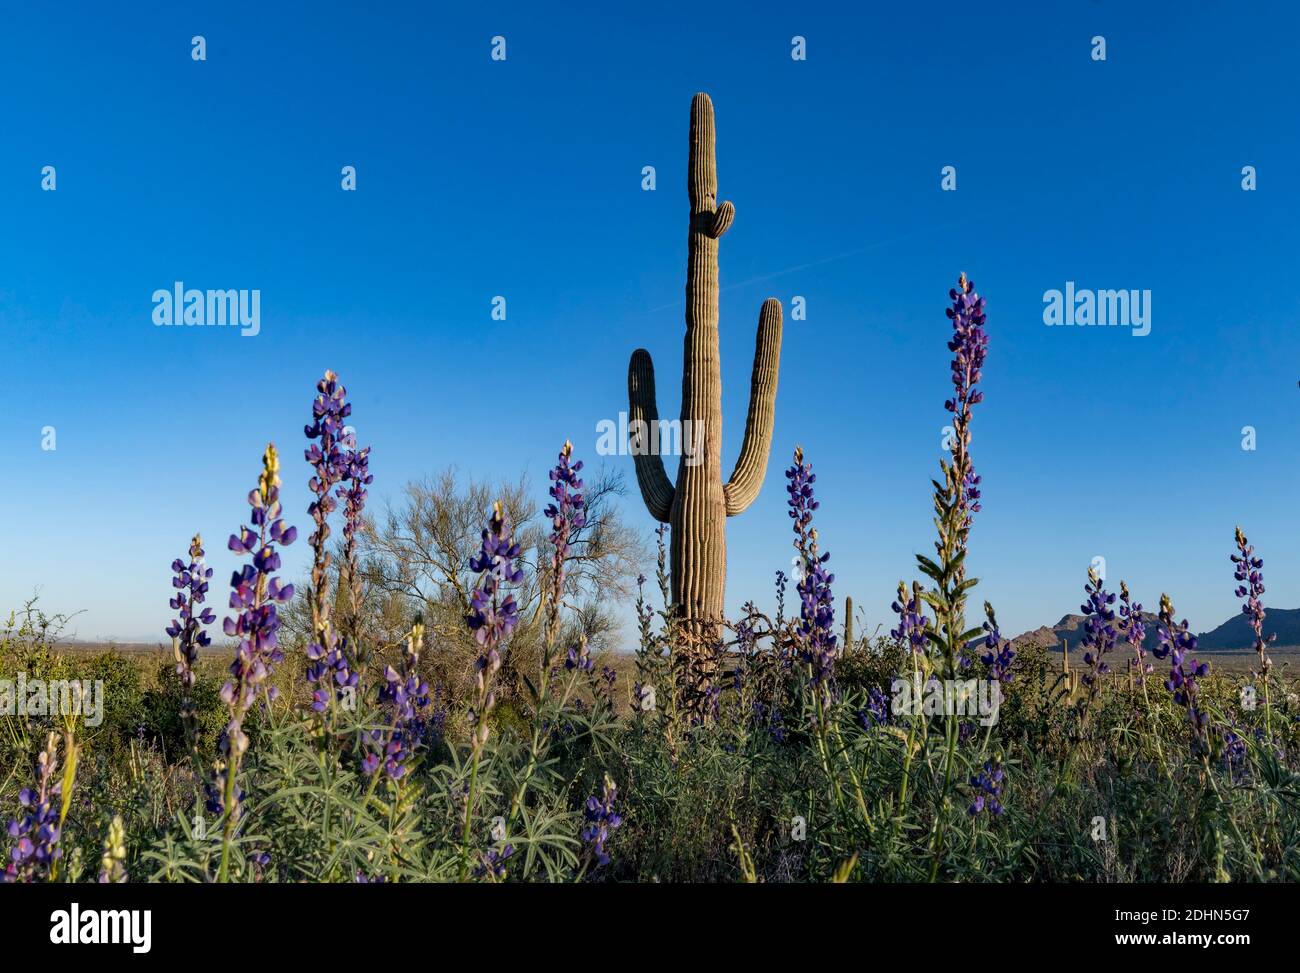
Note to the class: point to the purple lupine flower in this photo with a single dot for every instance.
(357, 476)
(329, 671)
(493, 862)
(356, 472)
(332, 458)
(712, 703)
(969, 345)
(493, 618)
(970, 491)
(877, 709)
(644, 619)
(802, 502)
(1250, 572)
(255, 594)
(1175, 642)
(1234, 748)
(780, 596)
(746, 634)
(912, 623)
(1135, 631)
(746, 645)
(662, 576)
(988, 788)
(36, 830)
(957, 496)
(815, 631)
(568, 515)
(578, 657)
(404, 697)
(191, 582)
(601, 820)
(1098, 629)
(768, 717)
(1000, 653)
(493, 615)
(329, 456)
(640, 695)
(609, 678)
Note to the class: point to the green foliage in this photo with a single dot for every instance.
(738, 797)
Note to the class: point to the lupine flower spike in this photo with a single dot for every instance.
(36, 832)
(331, 461)
(957, 497)
(988, 788)
(492, 618)
(601, 820)
(815, 630)
(186, 630)
(1135, 631)
(999, 653)
(956, 501)
(493, 862)
(493, 614)
(1175, 644)
(112, 866)
(191, 582)
(912, 623)
(1099, 632)
(1249, 574)
(255, 597)
(357, 476)
(969, 345)
(405, 697)
(567, 515)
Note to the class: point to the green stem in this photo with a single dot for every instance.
(228, 825)
(941, 824)
(469, 812)
(911, 741)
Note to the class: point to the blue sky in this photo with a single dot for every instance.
(522, 178)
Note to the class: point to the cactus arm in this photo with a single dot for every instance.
(751, 467)
(656, 489)
(722, 220)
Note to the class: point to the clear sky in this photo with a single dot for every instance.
(522, 178)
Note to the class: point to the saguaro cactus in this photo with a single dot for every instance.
(697, 507)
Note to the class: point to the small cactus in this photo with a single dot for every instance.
(698, 505)
(848, 623)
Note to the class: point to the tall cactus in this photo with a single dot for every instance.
(697, 507)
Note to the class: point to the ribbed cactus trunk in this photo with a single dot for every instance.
(699, 539)
(698, 505)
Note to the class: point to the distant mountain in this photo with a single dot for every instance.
(1234, 635)
(1070, 629)
(107, 640)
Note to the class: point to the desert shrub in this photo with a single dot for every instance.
(161, 703)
